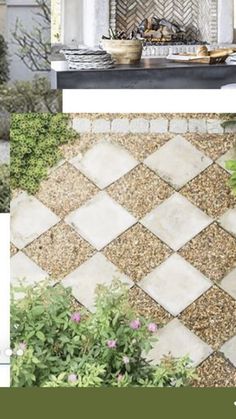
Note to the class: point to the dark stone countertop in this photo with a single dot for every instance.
(150, 73)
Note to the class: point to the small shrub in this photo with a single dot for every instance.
(30, 96)
(4, 188)
(64, 347)
(35, 141)
(4, 70)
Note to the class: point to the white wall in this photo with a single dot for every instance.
(2, 17)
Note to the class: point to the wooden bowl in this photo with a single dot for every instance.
(124, 51)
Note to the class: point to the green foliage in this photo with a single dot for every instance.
(35, 141)
(4, 70)
(231, 165)
(30, 96)
(64, 348)
(4, 188)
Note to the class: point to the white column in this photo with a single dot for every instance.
(72, 22)
(95, 21)
(226, 21)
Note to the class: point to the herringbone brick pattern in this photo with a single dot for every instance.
(196, 17)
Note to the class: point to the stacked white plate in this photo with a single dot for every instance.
(87, 59)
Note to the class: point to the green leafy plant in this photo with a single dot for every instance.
(4, 188)
(63, 346)
(231, 165)
(35, 141)
(4, 69)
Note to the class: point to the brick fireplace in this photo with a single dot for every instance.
(211, 21)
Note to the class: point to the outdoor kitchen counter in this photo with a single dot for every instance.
(150, 73)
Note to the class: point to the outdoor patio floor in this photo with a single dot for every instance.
(146, 201)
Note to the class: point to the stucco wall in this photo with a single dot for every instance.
(25, 11)
(2, 18)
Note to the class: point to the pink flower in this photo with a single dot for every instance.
(126, 360)
(152, 327)
(76, 317)
(22, 346)
(111, 344)
(72, 378)
(135, 324)
(120, 377)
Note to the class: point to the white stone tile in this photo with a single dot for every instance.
(230, 155)
(229, 284)
(104, 163)
(176, 221)
(139, 125)
(24, 270)
(179, 126)
(84, 280)
(101, 125)
(175, 284)
(100, 220)
(214, 126)
(81, 125)
(159, 125)
(120, 125)
(231, 127)
(29, 219)
(198, 125)
(229, 350)
(177, 340)
(178, 162)
(228, 221)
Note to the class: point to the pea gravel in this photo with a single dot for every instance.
(137, 252)
(65, 190)
(147, 307)
(140, 191)
(216, 372)
(212, 317)
(210, 191)
(139, 145)
(213, 145)
(212, 252)
(59, 251)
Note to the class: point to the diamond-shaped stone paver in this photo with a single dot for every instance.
(140, 191)
(228, 221)
(65, 190)
(175, 284)
(229, 283)
(29, 219)
(203, 192)
(175, 339)
(84, 280)
(137, 252)
(104, 163)
(25, 270)
(60, 250)
(178, 162)
(100, 220)
(229, 350)
(212, 317)
(176, 221)
(213, 252)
